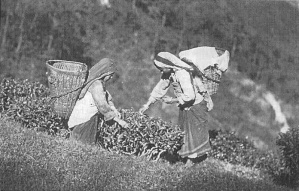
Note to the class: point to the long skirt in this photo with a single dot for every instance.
(86, 132)
(196, 138)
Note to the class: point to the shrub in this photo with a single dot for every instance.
(28, 103)
(228, 147)
(289, 147)
(145, 136)
(12, 90)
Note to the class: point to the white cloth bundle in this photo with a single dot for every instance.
(205, 56)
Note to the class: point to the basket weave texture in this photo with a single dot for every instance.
(65, 79)
(212, 85)
(213, 73)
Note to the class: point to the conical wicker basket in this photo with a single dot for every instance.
(211, 79)
(65, 79)
(212, 76)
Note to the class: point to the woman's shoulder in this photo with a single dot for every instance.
(96, 86)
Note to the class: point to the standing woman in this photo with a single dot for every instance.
(191, 97)
(94, 104)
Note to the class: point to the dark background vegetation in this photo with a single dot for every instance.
(262, 37)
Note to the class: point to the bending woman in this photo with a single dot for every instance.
(192, 99)
(94, 104)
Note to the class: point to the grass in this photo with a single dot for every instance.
(35, 161)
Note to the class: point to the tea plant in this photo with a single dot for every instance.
(29, 104)
(148, 137)
(228, 147)
(289, 147)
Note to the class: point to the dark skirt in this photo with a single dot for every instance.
(194, 123)
(86, 132)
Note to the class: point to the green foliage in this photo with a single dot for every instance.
(28, 103)
(13, 91)
(282, 166)
(289, 147)
(228, 147)
(148, 137)
(133, 31)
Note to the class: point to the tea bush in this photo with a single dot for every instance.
(289, 147)
(228, 147)
(283, 166)
(29, 103)
(148, 137)
(12, 90)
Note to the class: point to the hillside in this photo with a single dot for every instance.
(262, 36)
(36, 161)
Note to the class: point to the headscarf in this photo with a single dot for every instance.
(100, 70)
(168, 60)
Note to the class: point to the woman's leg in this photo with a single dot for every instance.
(196, 139)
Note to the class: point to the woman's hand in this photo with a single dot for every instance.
(118, 114)
(143, 109)
(121, 122)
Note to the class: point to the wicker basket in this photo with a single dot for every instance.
(211, 79)
(65, 79)
(212, 76)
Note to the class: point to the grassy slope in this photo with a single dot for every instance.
(35, 161)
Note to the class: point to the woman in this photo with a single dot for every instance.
(192, 99)
(94, 104)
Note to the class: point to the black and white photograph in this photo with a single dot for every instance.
(160, 95)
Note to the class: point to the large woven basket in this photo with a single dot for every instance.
(212, 76)
(211, 79)
(65, 79)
